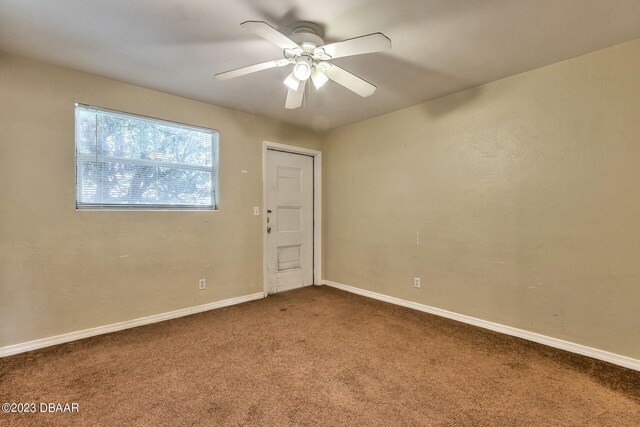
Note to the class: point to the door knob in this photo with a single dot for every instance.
(268, 230)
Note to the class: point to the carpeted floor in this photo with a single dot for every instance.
(317, 356)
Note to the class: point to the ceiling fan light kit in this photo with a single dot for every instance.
(292, 82)
(302, 69)
(305, 49)
(318, 78)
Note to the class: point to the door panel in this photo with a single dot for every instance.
(290, 220)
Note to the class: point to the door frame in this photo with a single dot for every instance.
(317, 207)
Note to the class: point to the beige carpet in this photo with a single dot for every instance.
(317, 356)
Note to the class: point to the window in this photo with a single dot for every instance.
(125, 161)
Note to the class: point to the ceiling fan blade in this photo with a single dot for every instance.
(251, 69)
(357, 46)
(269, 33)
(348, 80)
(294, 97)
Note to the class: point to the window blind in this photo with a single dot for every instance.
(124, 161)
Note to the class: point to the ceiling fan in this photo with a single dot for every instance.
(306, 50)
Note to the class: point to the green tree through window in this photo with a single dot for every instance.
(128, 161)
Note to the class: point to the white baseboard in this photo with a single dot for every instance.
(85, 333)
(595, 353)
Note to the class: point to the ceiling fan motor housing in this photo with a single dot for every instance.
(308, 35)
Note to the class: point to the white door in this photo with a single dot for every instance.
(289, 219)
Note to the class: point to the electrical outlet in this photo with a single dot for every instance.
(416, 282)
(202, 284)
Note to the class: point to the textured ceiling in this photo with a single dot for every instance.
(439, 46)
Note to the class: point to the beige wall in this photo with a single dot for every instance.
(62, 270)
(525, 192)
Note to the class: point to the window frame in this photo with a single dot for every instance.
(213, 169)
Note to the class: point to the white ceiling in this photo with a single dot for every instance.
(439, 46)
